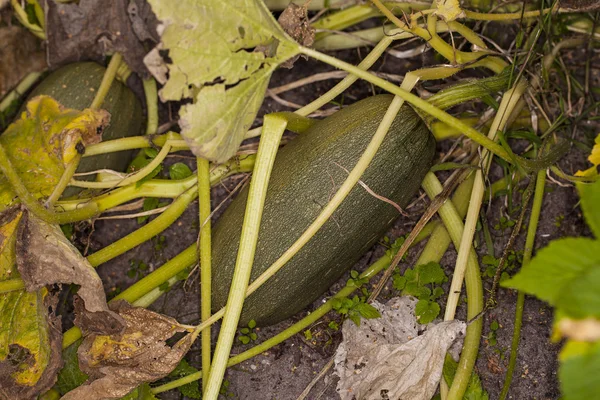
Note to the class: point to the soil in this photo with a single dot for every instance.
(284, 371)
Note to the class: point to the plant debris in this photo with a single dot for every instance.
(91, 29)
(294, 21)
(386, 357)
(117, 364)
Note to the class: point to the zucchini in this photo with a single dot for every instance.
(75, 86)
(306, 174)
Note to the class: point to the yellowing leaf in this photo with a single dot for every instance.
(215, 47)
(448, 10)
(43, 141)
(594, 158)
(30, 336)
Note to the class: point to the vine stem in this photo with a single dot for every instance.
(64, 181)
(151, 94)
(203, 172)
(267, 150)
(455, 227)
(107, 80)
(416, 101)
(21, 88)
(534, 219)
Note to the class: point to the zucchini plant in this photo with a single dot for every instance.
(313, 207)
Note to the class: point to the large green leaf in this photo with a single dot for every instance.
(579, 370)
(221, 54)
(590, 203)
(566, 274)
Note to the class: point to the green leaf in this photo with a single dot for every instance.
(143, 392)
(399, 282)
(494, 326)
(475, 389)
(308, 334)
(437, 293)
(192, 389)
(253, 336)
(367, 311)
(426, 311)
(245, 331)
(70, 376)
(224, 65)
(579, 370)
(354, 317)
(150, 203)
(179, 171)
(566, 274)
(590, 204)
(244, 339)
(431, 273)
(252, 324)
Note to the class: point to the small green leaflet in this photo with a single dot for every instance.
(579, 370)
(221, 54)
(179, 171)
(426, 311)
(190, 390)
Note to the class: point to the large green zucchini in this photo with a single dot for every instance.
(75, 86)
(306, 174)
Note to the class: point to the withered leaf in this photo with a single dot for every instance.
(117, 364)
(45, 257)
(294, 21)
(90, 29)
(30, 334)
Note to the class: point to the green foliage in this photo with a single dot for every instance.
(493, 337)
(215, 122)
(150, 203)
(333, 325)
(137, 269)
(247, 334)
(179, 171)
(566, 274)
(504, 223)
(513, 261)
(70, 376)
(423, 282)
(308, 334)
(142, 159)
(475, 389)
(190, 390)
(355, 308)
(142, 392)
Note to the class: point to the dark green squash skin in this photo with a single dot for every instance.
(75, 86)
(302, 182)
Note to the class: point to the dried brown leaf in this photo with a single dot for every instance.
(90, 29)
(294, 21)
(117, 364)
(46, 257)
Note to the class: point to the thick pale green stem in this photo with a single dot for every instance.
(454, 225)
(151, 105)
(271, 137)
(534, 219)
(107, 80)
(205, 261)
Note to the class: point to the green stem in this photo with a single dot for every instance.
(151, 105)
(272, 131)
(474, 288)
(21, 88)
(64, 181)
(534, 219)
(183, 260)
(107, 81)
(205, 261)
(416, 101)
(148, 231)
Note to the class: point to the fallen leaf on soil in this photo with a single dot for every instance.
(117, 364)
(386, 357)
(46, 257)
(91, 29)
(30, 334)
(43, 141)
(20, 54)
(221, 65)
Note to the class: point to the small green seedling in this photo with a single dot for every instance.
(423, 282)
(150, 203)
(189, 390)
(247, 334)
(492, 337)
(504, 223)
(137, 269)
(355, 308)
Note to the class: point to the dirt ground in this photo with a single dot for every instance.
(283, 372)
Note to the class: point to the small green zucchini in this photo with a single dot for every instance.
(307, 172)
(75, 86)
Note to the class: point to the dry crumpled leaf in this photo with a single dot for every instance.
(386, 357)
(46, 257)
(30, 334)
(90, 29)
(294, 21)
(117, 364)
